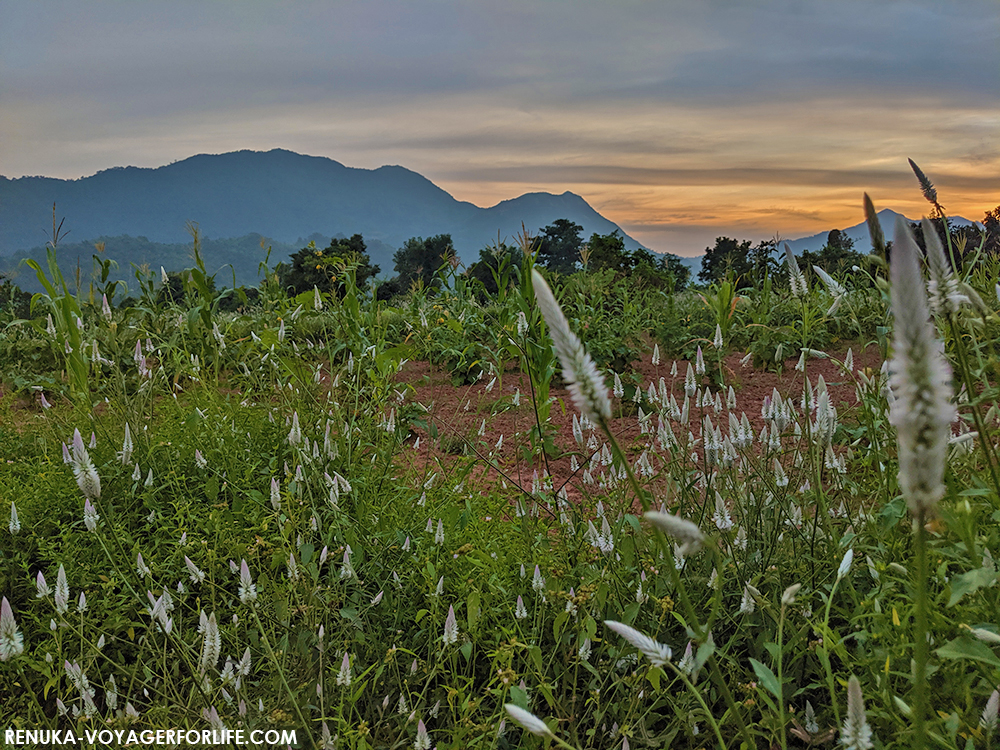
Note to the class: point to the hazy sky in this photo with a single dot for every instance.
(680, 121)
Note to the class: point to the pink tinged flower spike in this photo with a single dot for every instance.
(920, 380)
(520, 611)
(41, 587)
(15, 522)
(90, 516)
(197, 575)
(423, 740)
(450, 628)
(856, 734)
(247, 589)
(125, 455)
(344, 675)
(62, 591)
(11, 640)
(658, 653)
(211, 648)
(528, 721)
(586, 386)
(275, 494)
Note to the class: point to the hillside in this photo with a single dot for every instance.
(279, 194)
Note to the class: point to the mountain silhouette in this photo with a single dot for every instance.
(278, 194)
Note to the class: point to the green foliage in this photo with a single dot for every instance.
(325, 269)
(836, 257)
(559, 246)
(284, 434)
(419, 260)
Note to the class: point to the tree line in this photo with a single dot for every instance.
(560, 247)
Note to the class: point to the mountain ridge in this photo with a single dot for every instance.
(279, 194)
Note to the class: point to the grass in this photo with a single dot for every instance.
(283, 437)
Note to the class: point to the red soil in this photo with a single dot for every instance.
(458, 412)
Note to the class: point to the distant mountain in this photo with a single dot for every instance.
(815, 242)
(859, 233)
(279, 194)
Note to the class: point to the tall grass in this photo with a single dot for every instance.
(227, 519)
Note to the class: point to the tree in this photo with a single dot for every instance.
(608, 251)
(729, 256)
(420, 259)
(991, 228)
(559, 248)
(762, 261)
(501, 263)
(311, 267)
(680, 273)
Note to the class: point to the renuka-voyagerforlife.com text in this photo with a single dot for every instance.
(105, 737)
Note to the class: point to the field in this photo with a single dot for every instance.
(447, 521)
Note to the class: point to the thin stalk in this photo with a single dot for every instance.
(281, 675)
(826, 662)
(701, 702)
(781, 683)
(920, 649)
(689, 611)
(984, 441)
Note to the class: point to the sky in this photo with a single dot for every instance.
(680, 120)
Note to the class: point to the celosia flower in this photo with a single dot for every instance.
(11, 640)
(15, 522)
(796, 280)
(450, 627)
(90, 517)
(685, 532)
(834, 287)
(537, 582)
(62, 591)
(586, 386)
(921, 410)
(988, 720)
(423, 740)
(520, 611)
(140, 566)
(856, 734)
(83, 469)
(657, 653)
(845, 564)
(211, 647)
(247, 589)
(344, 675)
(197, 575)
(125, 454)
(528, 721)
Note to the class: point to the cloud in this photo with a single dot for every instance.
(706, 111)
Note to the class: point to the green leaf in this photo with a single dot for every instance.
(472, 610)
(536, 656)
(519, 697)
(466, 650)
(967, 583)
(967, 647)
(767, 678)
(653, 675)
(559, 624)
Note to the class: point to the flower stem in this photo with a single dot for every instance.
(920, 650)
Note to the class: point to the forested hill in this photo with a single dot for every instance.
(279, 194)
